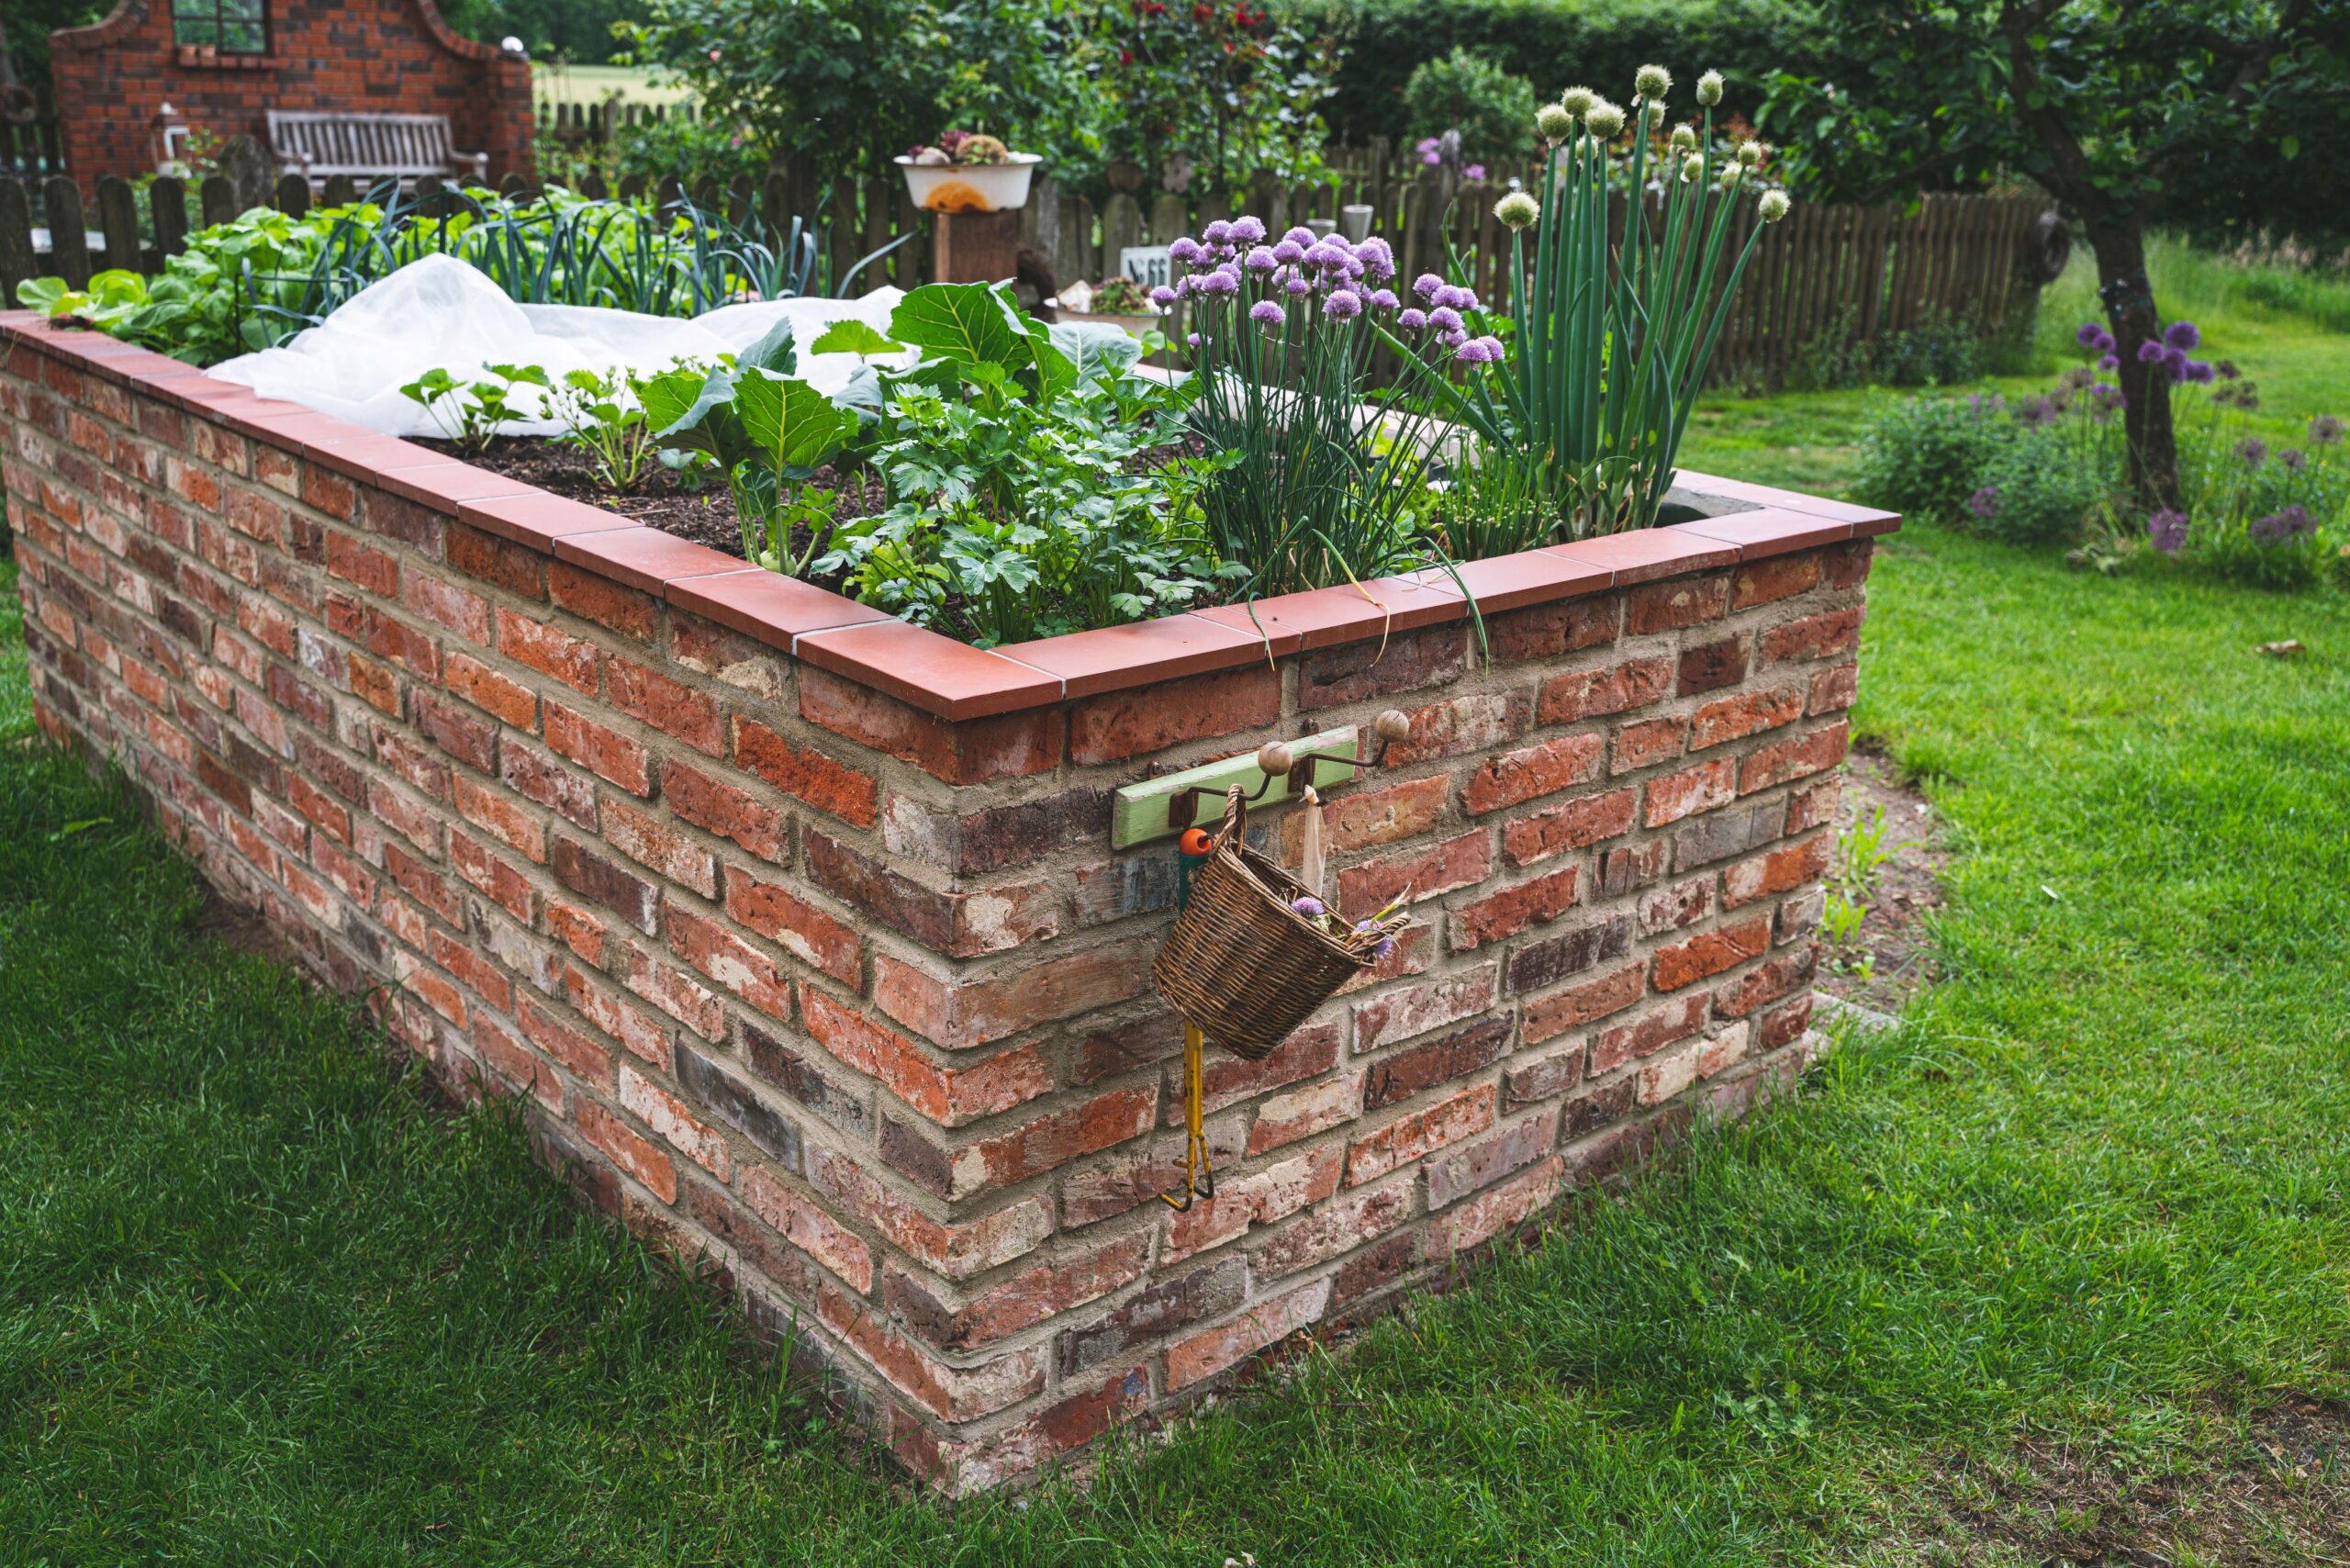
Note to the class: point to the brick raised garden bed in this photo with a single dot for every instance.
(800, 928)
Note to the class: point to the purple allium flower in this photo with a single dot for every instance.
(1266, 313)
(1412, 319)
(1344, 305)
(1308, 906)
(2199, 371)
(2110, 363)
(1385, 298)
(1247, 230)
(2294, 458)
(2279, 526)
(2105, 392)
(1162, 296)
(2253, 450)
(1216, 284)
(1445, 318)
(1288, 253)
(1427, 286)
(2105, 343)
(1262, 260)
(2227, 369)
(2173, 365)
(1377, 261)
(1985, 502)
(1217, 233)
(2167, 531)
(2150, 350)
(1474, 173)
(1299, 286)
(2182, 335)
(1381, 948)
(1430, 157)
(1428, 144)
(1186, 249)
(1193, 339)
(2325, 430)
(2086, 337)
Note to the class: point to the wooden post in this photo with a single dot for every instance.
(342, 190)
(69, 241)
(118, 220)
(974, 247)
(293, 196)
(218, 200)
(167, 198)
(16, 261)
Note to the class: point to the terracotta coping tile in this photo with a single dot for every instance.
(307, 431)
(1649, 553)
(1771, 495)
(536, 518)
(644, 557)
(1770, 531)
(1531, 576)
(445, 484)
(1116, 658)
(768, 606)
(365, 455)
(934, 674)
(1876, 523)
(1321, 618)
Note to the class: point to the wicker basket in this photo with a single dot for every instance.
(1240, 963)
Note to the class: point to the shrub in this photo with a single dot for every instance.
(1464, 90)
(2034, 490)
(1555, 44)
(1926, 457)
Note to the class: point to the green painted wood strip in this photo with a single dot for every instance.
(1139, 813)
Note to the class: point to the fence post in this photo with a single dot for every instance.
(1168, 217)
(1120, 227)
(293, 196)
(167, 202)
(69, 241)
(217, 199)
(17, 263)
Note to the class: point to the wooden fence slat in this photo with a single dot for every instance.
(217, 196)
(118, 221)
(292, 195)
(69, 242)
(16, 260)
(167, 208)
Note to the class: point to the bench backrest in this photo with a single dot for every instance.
(361, 143)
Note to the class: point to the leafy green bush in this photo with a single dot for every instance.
(1493, 109)
(2035, 489)
(1556, 44)
(2272, 517)
(1926, 456)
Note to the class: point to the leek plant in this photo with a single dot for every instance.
(1578, 430)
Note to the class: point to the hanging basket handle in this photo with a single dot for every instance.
(1235, 819)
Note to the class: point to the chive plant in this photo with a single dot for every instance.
(1578, 430)
(1321, 487)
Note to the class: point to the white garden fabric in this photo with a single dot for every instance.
(441, 313)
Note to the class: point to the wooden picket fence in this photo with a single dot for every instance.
(1854, 273)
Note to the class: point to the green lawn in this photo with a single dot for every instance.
(2058, 1269)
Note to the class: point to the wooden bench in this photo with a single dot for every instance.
(318, 146)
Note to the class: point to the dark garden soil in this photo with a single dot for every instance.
(1893, 954)
(2279, 1495)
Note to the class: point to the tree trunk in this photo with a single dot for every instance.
(2153, 441)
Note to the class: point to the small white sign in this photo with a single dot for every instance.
(1147, 265)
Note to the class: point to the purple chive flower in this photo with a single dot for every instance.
(1381, 948)
(1378, 259)
(2294, 459)
(1430, 157)
(2167, 531)
(1299, 235)
(1385, 298)
(1308, 906)
(1266, 313)
(1162, 296)
(2105, 343)
(1299, 286)
(2173, 365)
(1985, 502)
(2325, 430)
(1329, 255)
(2253, 450)
(1474, 173)
(2088, 334)
(2199, 371)
(1344, 305)
(1445, 318)
(1288, 253)
(1427, 286)
(2182, 335)
(1262, 260)
(1217, 285)
(1186, 249)
(1456, 297)
(1217, 233)
(1453, 340)
(2279, 526)
(1193, 339)
(1428, 144)
(1247, 230)
(1413, 319)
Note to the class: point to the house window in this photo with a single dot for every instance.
(233, 27)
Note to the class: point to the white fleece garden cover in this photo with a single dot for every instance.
(442, 313)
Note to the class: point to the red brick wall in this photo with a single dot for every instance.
(386, 56)
(855, 1000)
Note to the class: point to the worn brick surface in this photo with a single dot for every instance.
(855, 1002)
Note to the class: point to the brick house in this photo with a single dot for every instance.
(223, 63)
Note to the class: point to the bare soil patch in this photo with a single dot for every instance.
(1892, 953)
(2275, 1495)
